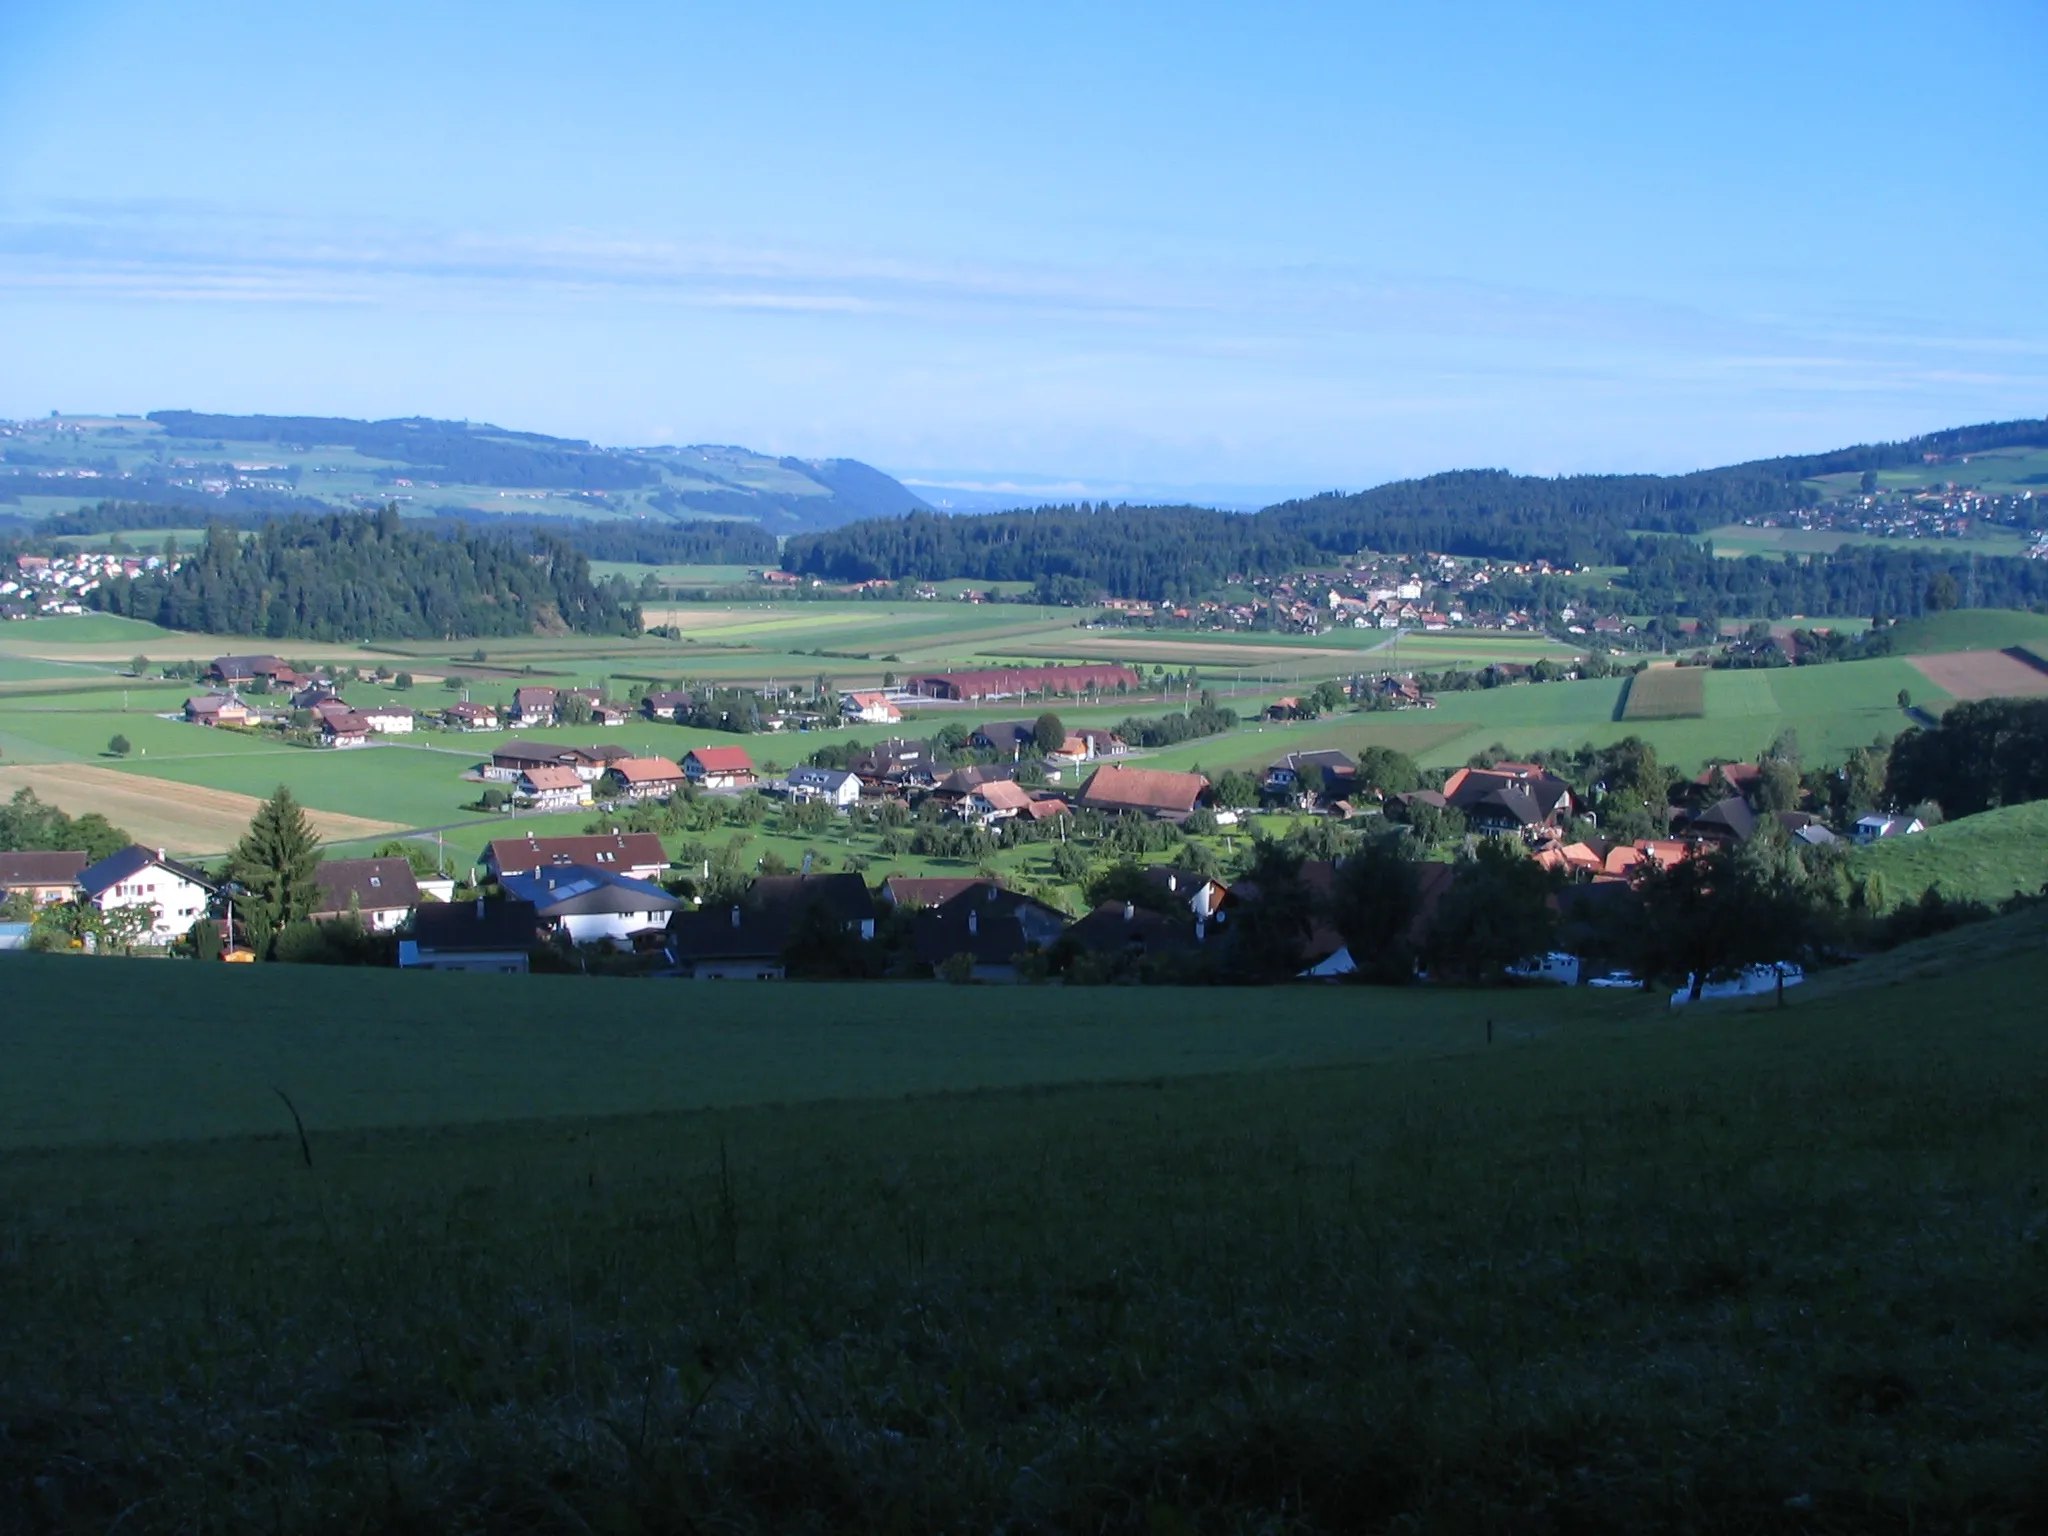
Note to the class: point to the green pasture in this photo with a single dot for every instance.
(1985, 857)
(677, 575)
(576, 1254)
(1736, 540)
(1969, 629)
(28, 635)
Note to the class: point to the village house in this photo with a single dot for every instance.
(343, 728)
(493, 936)
(668, 704)
(1147, 791)
(217, 709)
(908, 891)
(41, 877)
(1509, 797)
(719, 768)
(137, 876)
(383, 892)
(240, 671)
(646, 778)
(744, 940)
(471, 717)
(516, 756)
(1875, 828)
(993, 927)
(592, 906)
(840, 786)
(316, 693)
(533, 706)
(1301, 775)
(896, 763)
(553, 789)
(994, 801)
(638, 854)
(869, 708)
(1007, 738)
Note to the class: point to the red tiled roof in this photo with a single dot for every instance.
(723, 759)
(1118, 788)
(552, 778)
(646, 770)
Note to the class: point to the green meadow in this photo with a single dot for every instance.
(1986, 857)
(560, 1253)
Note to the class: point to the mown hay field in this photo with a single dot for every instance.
(1748, 1269)
(2003, 674)
(1666, 693)
(186, 819)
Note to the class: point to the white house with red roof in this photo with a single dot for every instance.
(719, 768)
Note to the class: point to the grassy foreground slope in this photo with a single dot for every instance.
(1738, 1270)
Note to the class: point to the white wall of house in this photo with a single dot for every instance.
(388, 725)
(179, 902)
(593, 927)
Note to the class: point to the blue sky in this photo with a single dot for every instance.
(1223, 250)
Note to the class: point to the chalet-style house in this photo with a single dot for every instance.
(992, 926)
(1145, 791)
(1101, 743)
(593, 906)
(668, 704)
(533, 706)
(217, 709)
(553, 789)
(383, 892)
(1121, 929)
(41, 877)
(138, 875)
(869, 708)
(1510, 797)
(895, 763)
(744, 940)
(1013, 739)
(343, 728)
(646, 778)
(471, 717)
(1301, 775)
(316, 693)
(1875, 828)
(516, 756)
(478, 935)
(239, 671)
(996, 800)
(638, 854)
(1200, 894)
(840, 786)
(719, 768)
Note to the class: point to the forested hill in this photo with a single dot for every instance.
(1157, 552)
(375, 578)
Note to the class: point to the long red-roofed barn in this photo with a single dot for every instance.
(1011, 682)
(1150, 791)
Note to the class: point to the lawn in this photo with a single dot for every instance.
(1313, 1261)
(1981, 858)
(1968, 629)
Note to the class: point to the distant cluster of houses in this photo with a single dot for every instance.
(58, 584)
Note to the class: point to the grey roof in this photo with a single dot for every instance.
(374, 884)
(989, 923)
(476, 925)
(577, 891)
(41, 868)
(130, 862)
(821, 778)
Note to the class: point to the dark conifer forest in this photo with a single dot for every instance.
(373, 577)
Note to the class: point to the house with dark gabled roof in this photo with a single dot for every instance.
(138, 876)
(668, 703)
(593, 906)
(475, 935)
(1512, 797)
(744, 940)
(41, 877)
(993, 927)
(382, 891)
(638, 854)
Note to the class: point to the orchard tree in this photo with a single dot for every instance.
(1049, 732)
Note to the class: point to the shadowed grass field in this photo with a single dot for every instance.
(1742, 1270)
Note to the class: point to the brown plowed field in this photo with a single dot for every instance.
(1984, 674)
(158, 813)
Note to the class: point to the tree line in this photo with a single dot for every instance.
(349, 576)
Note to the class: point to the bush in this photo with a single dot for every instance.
(957, 969)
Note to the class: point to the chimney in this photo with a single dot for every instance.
(160, 855)
(1129, 911)
(974, 922)
(1201, 930)
(735, 917)
(479, 907)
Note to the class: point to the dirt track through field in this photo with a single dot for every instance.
(159, 813)
(1984, 674)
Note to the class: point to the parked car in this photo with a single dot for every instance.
(1618, 979)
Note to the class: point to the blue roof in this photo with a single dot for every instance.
(132, 861)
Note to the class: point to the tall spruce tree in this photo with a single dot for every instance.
(273, 868)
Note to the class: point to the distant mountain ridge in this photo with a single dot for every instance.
(258, 465)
